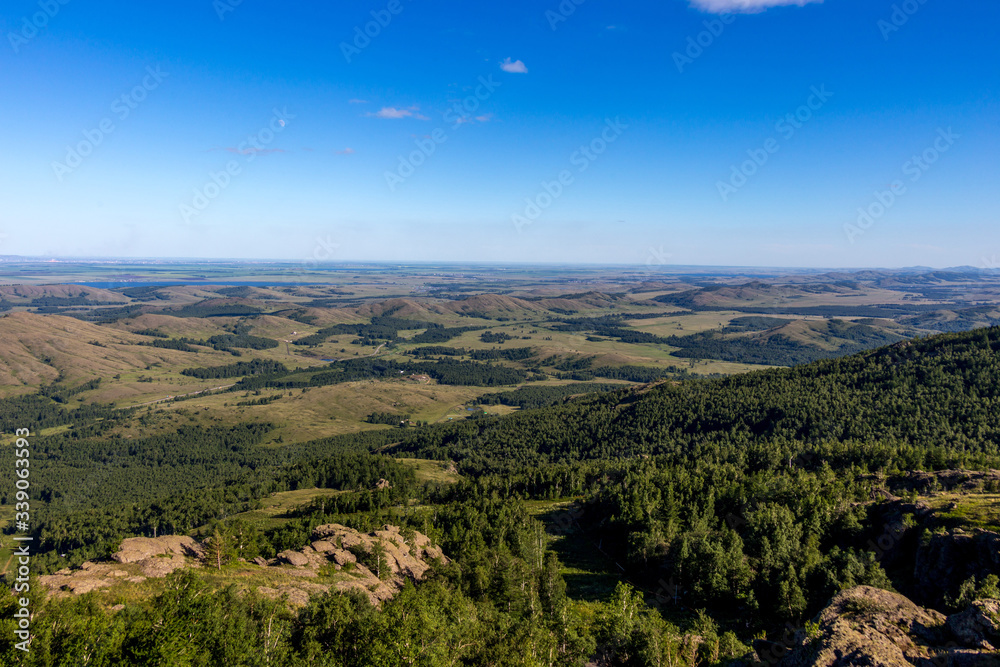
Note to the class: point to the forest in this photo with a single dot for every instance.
(731, 507)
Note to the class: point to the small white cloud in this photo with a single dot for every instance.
(744, 6)
(392, 113)
(346, 151)
(357, 101)
(514, 67)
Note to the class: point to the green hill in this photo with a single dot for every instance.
(669, 524)
(923, 402)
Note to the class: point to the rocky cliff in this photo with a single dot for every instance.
(866, 626)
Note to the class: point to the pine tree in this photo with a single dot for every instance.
(217, 552)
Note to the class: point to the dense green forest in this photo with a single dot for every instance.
(727, 508)
(446, 371)
(540, 396)
(386, 328)
(239, 369)
(778, 349)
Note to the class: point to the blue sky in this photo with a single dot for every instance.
(843, 133)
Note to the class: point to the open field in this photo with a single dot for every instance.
(967, 510)
(589, 572)
(274, 507)
(432, 471)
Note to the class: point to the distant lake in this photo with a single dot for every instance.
(188, 283)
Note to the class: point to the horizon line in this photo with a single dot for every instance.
(316, 265)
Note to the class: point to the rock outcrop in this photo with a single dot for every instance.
(939, 556)
(947, 559)
(866, 626)
(138, 549)
(138, 559)
(979, 625)
(376, 564)
(946, 480)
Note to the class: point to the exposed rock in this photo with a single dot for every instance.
(159, 567)
(295, 558)
(959, 657)
(916, 538)
(142, 558)
(342, 557)
(81, 585)
(377, 593)
(323, 546)
(948, 480)
(297, 596)
(867, 626)
(979, 625)
(136, 549)
(946, 560)
(403, 560)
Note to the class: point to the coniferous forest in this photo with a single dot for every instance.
(671, 524)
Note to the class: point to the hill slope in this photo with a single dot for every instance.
(39, 349)
(923, 398)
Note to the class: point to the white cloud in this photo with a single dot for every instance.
(392, 113)
(744, 6)
(357, 101)
(515, 67)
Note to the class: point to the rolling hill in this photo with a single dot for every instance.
(37, 350)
